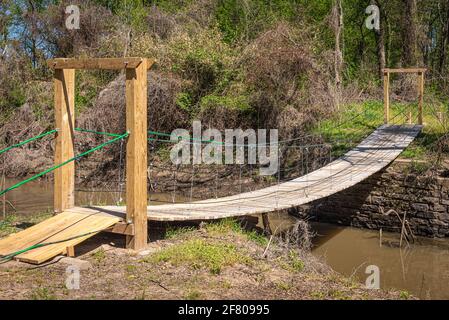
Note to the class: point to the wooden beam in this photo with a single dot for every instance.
(122, 228)
(70, 251)
(136, 155)
(98, 63)
(386, 97)
(404, 70)
(64, 177)
(420, 97)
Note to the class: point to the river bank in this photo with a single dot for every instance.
(215, 261)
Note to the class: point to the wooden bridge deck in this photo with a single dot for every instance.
(70, 228)
(378, 150)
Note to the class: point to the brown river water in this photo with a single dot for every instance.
(421, 269)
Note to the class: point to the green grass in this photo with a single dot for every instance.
(99, 256)
(178, 233)
(200, 254)
(354, 122)
(404, 295)
(231, 226)
(217, 229)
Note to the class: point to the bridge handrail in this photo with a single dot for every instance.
(101, 146)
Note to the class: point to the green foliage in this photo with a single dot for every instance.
(295, 262)
(178, 233)
(239, 102)
(227, 226)
(184, 101)
(243, 20)
(355, 121)
(199, 254)
(404, 295)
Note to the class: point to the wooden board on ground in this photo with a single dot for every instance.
(65, 230)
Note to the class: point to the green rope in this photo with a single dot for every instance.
(101, 146)
(10, 256)
(169, 135)
(97, 132)
(27, 141)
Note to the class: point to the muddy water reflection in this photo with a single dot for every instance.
(37, 197)
(422, 269)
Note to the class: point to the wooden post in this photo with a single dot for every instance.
(420, 97)
(136, 155)
(64, 184)
(386, 97)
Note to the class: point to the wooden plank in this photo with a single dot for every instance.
(386, 97)
(421, 81)
(404, 70)
(122, 228)
(66, 229)
(136, 155)
(64, 177)
(70, 251)
(99, 63)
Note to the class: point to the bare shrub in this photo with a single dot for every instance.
(35, 156)
(284, 73)
(298, 237)
(95, 23)
(108, 113)
(160, 23)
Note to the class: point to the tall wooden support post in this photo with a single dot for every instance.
(136, 155)
(420, 97)
(386, 97)
(64, 179)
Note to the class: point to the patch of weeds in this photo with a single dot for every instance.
(131, 271)
(414, 152)
(192, 295)
(318, 295)
(226, 285)
(292, 262)
(177, 233)
(223, 227)
(337, 294)
(7, 225)
(258, 238)
(42, 294)
(232, 226)
(198, 254)
(404, 295)
(418, 167)
(295, 262)
(99, 256)
(283, 285)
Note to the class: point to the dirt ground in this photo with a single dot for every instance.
(216, 261)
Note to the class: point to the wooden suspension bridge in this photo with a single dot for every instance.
(72, 225)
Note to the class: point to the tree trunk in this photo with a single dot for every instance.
(337, 13)
(443, 43)
(380, 42)
(409, 53)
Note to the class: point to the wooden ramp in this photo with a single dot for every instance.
(75, 226)
(378, 150)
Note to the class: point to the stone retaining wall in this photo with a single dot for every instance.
(424, 198)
